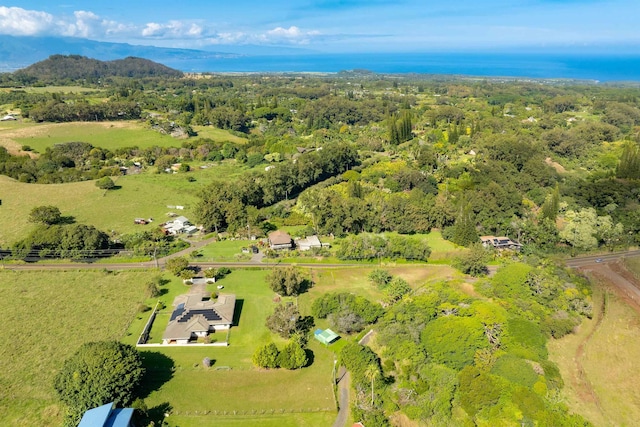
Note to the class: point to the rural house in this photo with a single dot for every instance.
(179, 225)
(308, 243)
(499, 243)
(195, 316)
(280, 240)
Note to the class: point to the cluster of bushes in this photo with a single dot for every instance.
(346, 312)
(60, 163)
(457, 359)
(76, 241)
(58, 111)
(368, 247)
(394, 288)
(291, 356)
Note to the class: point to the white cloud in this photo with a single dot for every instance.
(172, 29)
(20, 22)
(292, 35)
(87, 24)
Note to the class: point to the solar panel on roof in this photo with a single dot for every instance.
(207, 313)
(177, 312)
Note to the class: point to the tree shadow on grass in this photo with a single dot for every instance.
(66, 219)
(157, 414)
(159, 369)
(237, 312)
(310, 357)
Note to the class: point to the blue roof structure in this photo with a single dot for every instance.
(326, 337)
(106, 416)
(120, 417)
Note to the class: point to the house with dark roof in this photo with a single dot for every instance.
(196, 316)
(280, 240)
(499, 243)
(107, 416)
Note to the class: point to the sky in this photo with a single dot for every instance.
(336, 25)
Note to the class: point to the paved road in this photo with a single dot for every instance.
(161, 264)
(344, 386)
(593, 259)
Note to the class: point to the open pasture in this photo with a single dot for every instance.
(218, 135)
(46, 317)
(597, 361)
(145, 195)
(110, 135)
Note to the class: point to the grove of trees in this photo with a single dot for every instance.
(98, 373)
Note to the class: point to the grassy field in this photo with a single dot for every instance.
(597, 364)
(299, 398)
(46, 317)
(306, 399)
(354, 280)
(226, 250)
(111, 135)
(146, 195)
(633, 265)
(83, 306)
(219, 135)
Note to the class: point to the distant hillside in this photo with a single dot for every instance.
(19, 52)
(76, 67)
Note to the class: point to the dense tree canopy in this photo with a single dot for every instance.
(98, 373)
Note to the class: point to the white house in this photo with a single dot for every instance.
(308, 243)
(180, 225)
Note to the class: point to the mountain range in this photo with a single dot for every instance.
(20, 52)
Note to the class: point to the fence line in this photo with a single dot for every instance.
(249, 412)
(144, 335)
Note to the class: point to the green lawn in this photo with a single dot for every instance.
(226, 250)
(84, 306)
(46, 317)
(245, 389)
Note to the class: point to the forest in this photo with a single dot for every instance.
(555, 166)
(551, 165)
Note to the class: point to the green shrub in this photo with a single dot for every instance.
(515, 370)
(266, 356)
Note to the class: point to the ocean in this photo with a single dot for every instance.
(601, 68)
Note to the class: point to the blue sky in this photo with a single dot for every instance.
(336, 25)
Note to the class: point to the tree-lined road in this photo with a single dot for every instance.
(577, 262)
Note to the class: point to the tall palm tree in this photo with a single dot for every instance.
(372, 373)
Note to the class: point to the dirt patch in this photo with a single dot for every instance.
(469, 289)
(616, 278)
(557, 166)
(401, 420)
